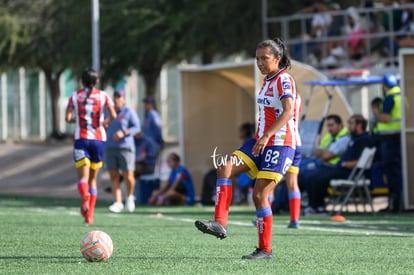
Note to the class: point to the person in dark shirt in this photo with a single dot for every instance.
(318, 181)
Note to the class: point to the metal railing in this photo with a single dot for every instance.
(292, 29)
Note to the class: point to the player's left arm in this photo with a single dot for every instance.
(111, 111)
(69, 112)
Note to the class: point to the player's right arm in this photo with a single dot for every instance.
(69, 112)
(111, 111)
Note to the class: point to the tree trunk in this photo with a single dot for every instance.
(52, 80)
(206, 57)
(150, 75)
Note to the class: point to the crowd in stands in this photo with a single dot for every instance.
(338, 36)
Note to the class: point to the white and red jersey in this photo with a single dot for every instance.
(90, 113)
(298, 111)
(269, 100)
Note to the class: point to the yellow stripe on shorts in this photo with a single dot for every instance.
(252, 173)
(293, 169)
(270, 176)
(96, 165)
(83, 162)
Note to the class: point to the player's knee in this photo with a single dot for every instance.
(224, 171)
(259, 196)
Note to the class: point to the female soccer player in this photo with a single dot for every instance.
(88, 104)
(291, 176)
(268, 155)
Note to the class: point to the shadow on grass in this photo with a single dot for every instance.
(41, 258)
(27, 201)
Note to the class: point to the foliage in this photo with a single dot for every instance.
(50, 35)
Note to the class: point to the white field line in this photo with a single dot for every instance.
(360, 231)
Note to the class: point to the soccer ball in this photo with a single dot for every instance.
(96, 246)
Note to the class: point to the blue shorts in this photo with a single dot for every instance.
(88, 152)
(272, 164)
(294, 168)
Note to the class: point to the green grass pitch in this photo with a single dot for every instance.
(42, 236)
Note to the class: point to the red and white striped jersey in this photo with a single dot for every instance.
(90, 113)
(269, 100)
(298, 111)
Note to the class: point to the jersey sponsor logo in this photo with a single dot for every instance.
(263, 100)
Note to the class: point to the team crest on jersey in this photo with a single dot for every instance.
(286, 85)
(269, 91)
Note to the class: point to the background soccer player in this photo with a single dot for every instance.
(293, 171)
(266, 157)
(88, 105)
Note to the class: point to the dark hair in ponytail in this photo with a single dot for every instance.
(279, 49)
(89, 79)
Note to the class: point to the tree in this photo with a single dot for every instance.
(52, 36)
(223, 28)
(143, 35)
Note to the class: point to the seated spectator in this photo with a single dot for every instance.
(355, 32)
(332, 146)
(146, 154)
(178, 189)
(318, 181)
(334, 143)
(407, 25)
(321, 20)
(391, 21)
(355, 44)
(372, 25)
(306, 49)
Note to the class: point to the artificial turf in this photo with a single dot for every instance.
(42, 236)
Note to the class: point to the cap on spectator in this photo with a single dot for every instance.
(390, 80)
(149, 99)
(120, 93)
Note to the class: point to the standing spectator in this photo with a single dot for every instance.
(178, 189)
(389, 130)
(372, 25)
(88, 105)
(391, 21)
(311, 47)
(120, 152)
(152, 121)
(146, 152)
(318, 181)
(321, 20)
